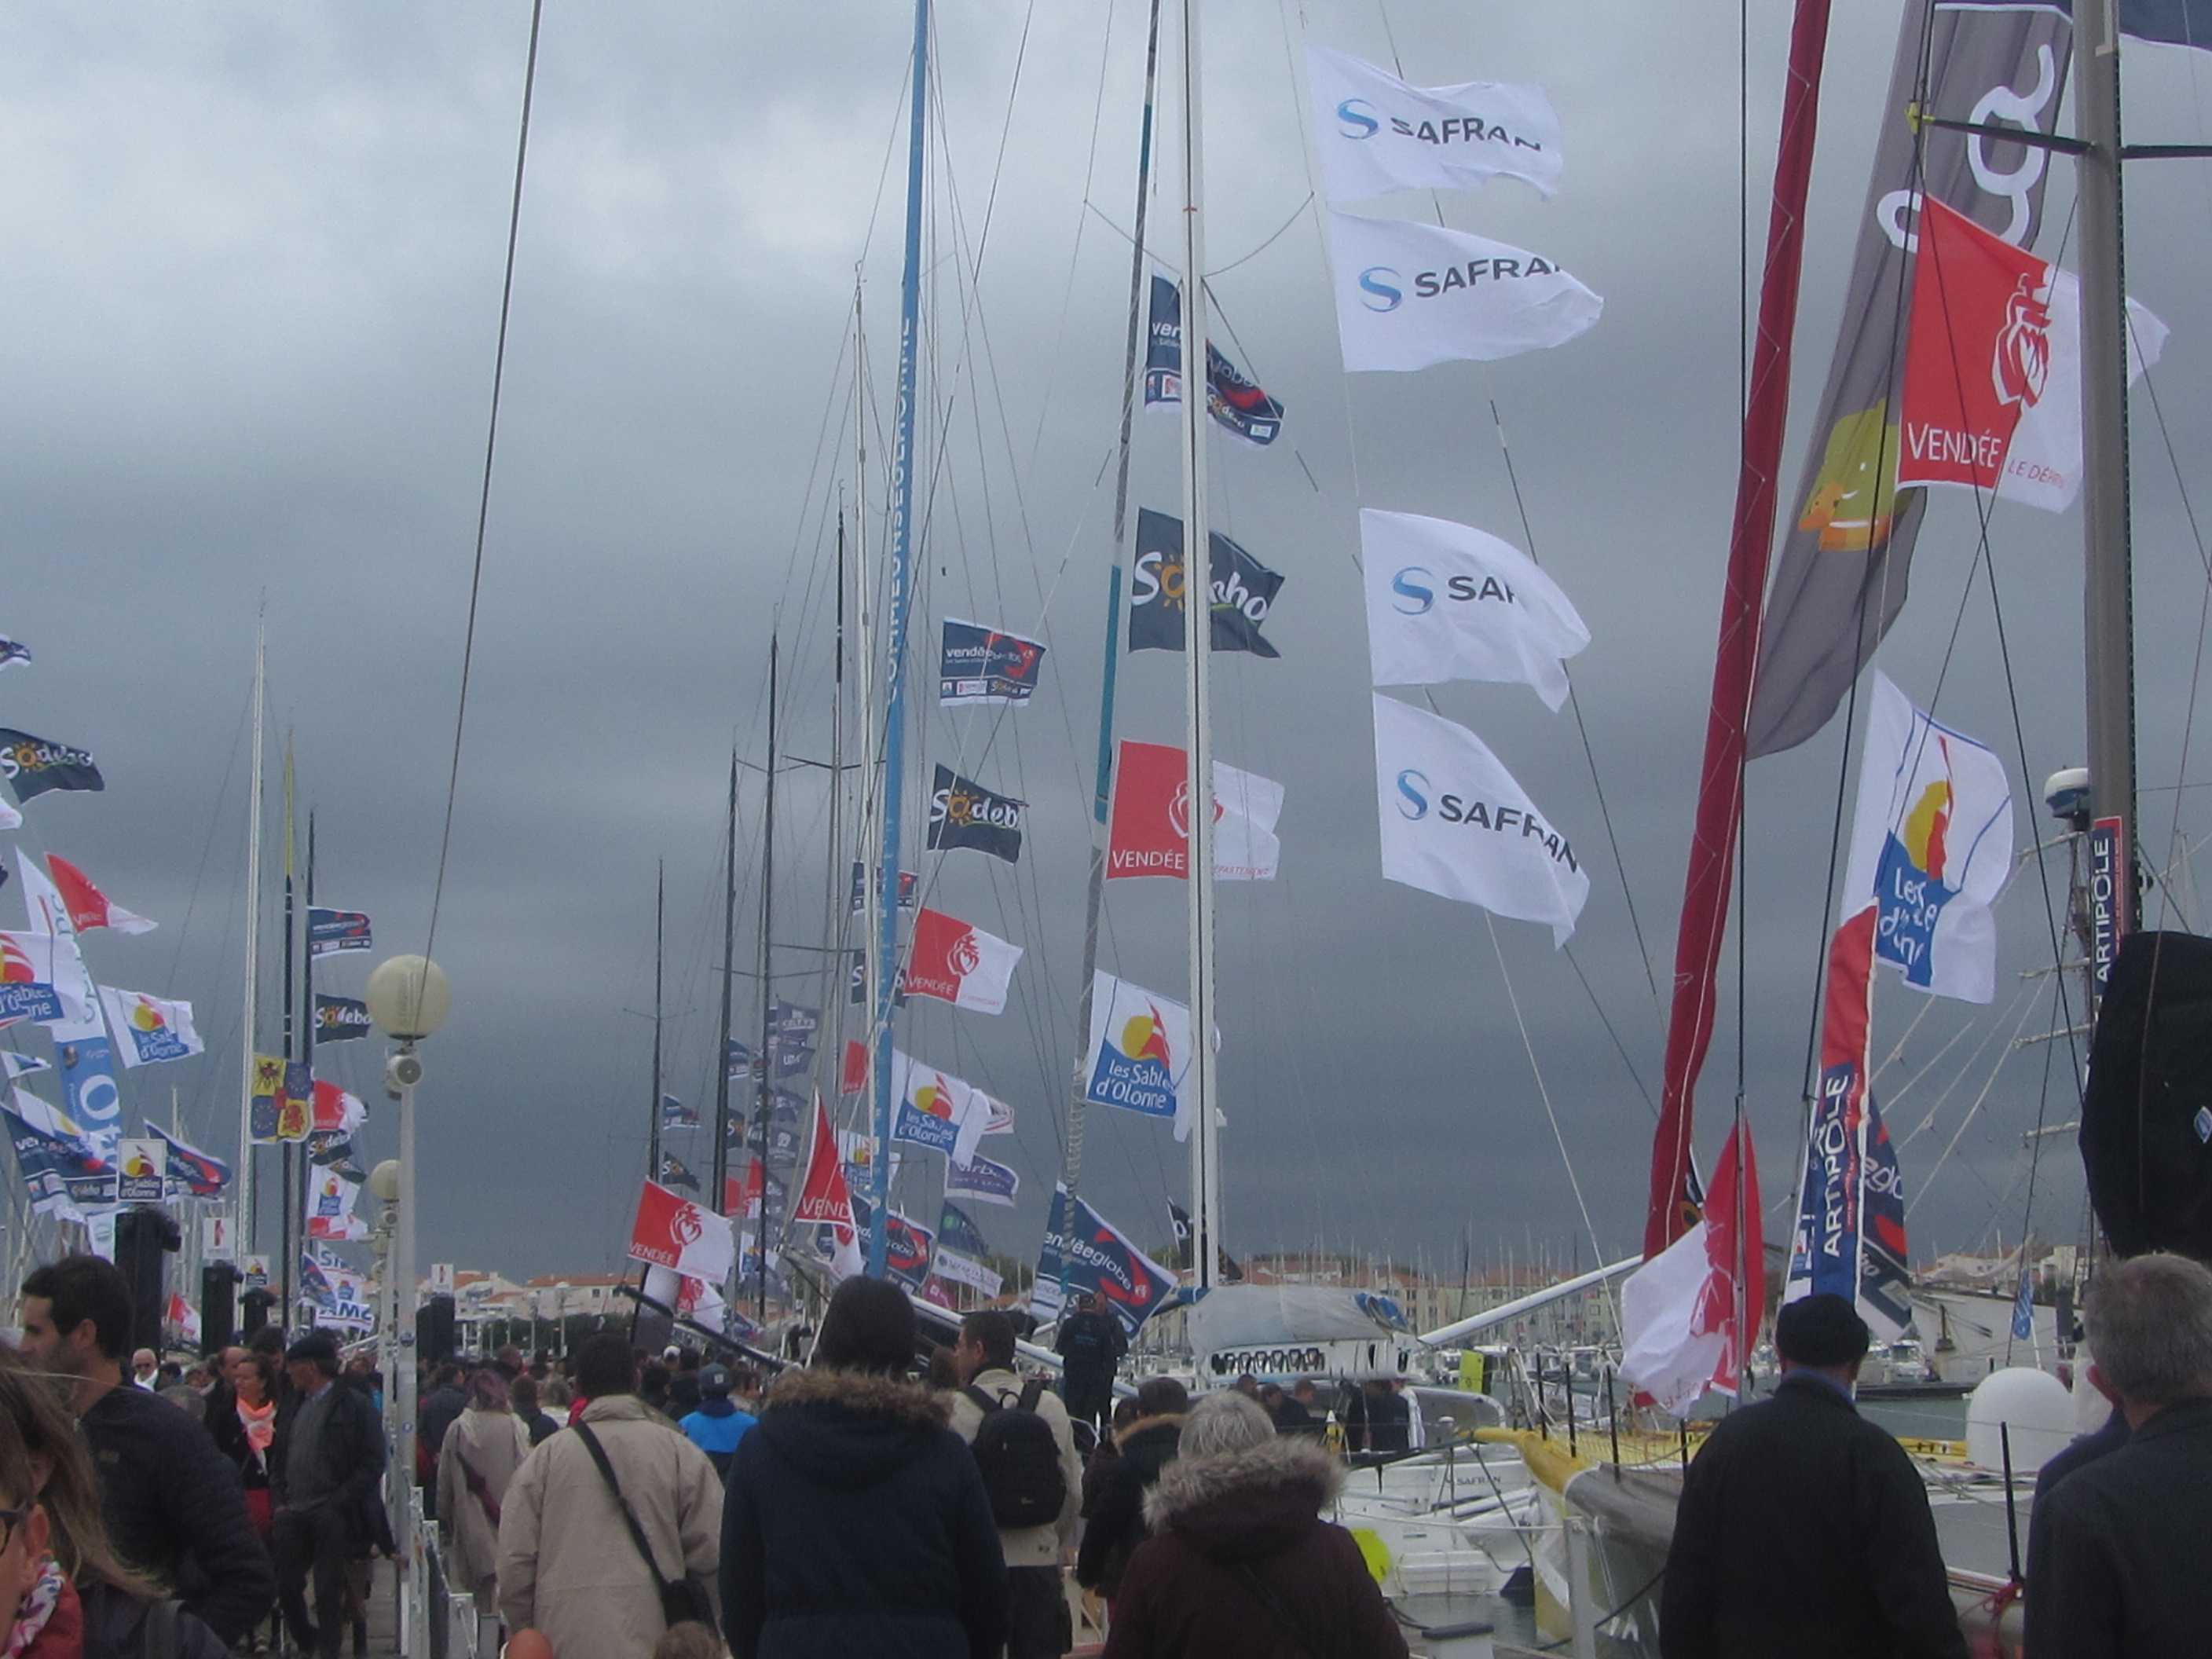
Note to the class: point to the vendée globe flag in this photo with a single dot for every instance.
(959, 964)
(1149, 830)
(671, 1231)
(1446, 601)
(1376, 134)
(89, 906)
(1454, 823)
(1410, 294)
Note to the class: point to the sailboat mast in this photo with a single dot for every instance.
(2107, 574)
(1197, 655)
(895, 683)
(287, 1262)
(249, 1231)
(764, 1098)
(729, 977)
(659, 957)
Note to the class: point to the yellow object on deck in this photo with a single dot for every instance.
(1549, 1461)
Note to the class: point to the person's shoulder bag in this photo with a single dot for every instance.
(681, 1600)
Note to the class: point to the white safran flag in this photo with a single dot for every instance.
(1454, 823)
(1376, 134)
(149, 1029)
(1446, 601)
(1409, 294)
(1932, 845)
(1139, 1055)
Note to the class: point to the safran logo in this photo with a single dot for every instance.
(1358, 118)
(1406, 588)
(1413, 805)
(1377, 294)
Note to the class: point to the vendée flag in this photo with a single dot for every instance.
(332, 931)
(1093, 1255)
(89, 906)
(1376, 134)
(1454, 823)
(1680, 1334)
(1931, 848)
(979, 665)
(825, 1201)
(671, 1232)
(958, 963)
(981, 1182)
(1231, 398)
(1149, 830)
(1446, 601)
(1409, 294)
(1139, 1052)
(152, 1029)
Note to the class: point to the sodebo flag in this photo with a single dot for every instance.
(1410, 294)
(1149, 832)
(671, 1232)
(1456, 824)
(1447, 602)
(959, 964)
(1993, 367)
(1376, 134)
(1139, 1051)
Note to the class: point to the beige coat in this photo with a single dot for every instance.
(494, 1444)
(567, 1566)
(1028, 1546)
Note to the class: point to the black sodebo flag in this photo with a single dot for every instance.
(964, 813)
(1242, 591)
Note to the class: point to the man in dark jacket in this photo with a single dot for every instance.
(1803, 1530)
(2117, 1552)
(442, 1409)
(1090, 1347)
(856, 1521)
(1116, 1525)
(171, 1502)
(329, 1473)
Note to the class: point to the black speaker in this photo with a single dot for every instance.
(254, 1317)
(143, 1237)
(219, 1283)
(2147, 1114)
(433, 1329)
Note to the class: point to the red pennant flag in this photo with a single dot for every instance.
(89, 906)
(853, 1076)
(823, 1198)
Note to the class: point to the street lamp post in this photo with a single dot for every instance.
(561, 1317)
(409, 998)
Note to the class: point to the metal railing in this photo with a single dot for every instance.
(435, 1621)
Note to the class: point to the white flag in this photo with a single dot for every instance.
(939, 1110)
(2043, 463)
(1245, 809)
(49, 913)
(1409, 294)
(1139, 1056)
(1454, 823)
(151, 1029)
(1932, 846)
(1376, 134)
(1448, 602)
(330, 1207)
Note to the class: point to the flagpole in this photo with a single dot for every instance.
(1198, 653)
(284, 1148)
(729, 974)
(249, 1231)
(1096, 898)
(902, 466)
(659, 957)
(763, 1097)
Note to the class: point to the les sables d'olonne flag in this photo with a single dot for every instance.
(1993, 367)
(331, 1195)
(958, 963)
(1149, 830)
(939, 1110)
(671, 1232)
(32, 766)
(964, 813)
(149, 1029)
(1679, 1330)
(1446, 601)
(89, 906)
(1410, 294)
(1139, 1054)
(1376, 134)
(27, 974)
(1454, 823)
(1931, 849)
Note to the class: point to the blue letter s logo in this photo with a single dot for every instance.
(1358, 122)
(1415, 805)
(1371, 283)
(1406, 589)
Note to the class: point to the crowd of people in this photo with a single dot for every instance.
(885, 1498)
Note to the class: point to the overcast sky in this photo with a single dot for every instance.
(250, 262)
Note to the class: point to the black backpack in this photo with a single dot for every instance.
(1019, 1459)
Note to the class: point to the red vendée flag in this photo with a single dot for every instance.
(1143, 839)
(824, 1197)
(852, 1075)
(87, 905)
(958, 963)
(671, 1232)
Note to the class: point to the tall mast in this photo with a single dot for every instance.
(660, 962)
(1198, 656)
(2107, 577)
(729, 974)
(286, 1263)
(249, 1231)
(764, 1097)
(894, 684)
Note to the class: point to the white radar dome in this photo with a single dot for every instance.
(2036, 1405)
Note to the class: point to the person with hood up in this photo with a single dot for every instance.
(483, 1448)
(1240, 1565)
(856, 1521)
(1117, 1524)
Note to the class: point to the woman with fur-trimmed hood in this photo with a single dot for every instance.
(855, 1521)
(1240, 1565)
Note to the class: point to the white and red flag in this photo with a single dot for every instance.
(1690, 1315)
(89, 906)
(671, 1232)
(1149, 832)
(824, 1200)
(337, 1112)
(958, 963)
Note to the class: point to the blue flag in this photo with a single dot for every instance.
(1090, 1254)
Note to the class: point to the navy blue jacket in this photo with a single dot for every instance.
(856, 1523)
